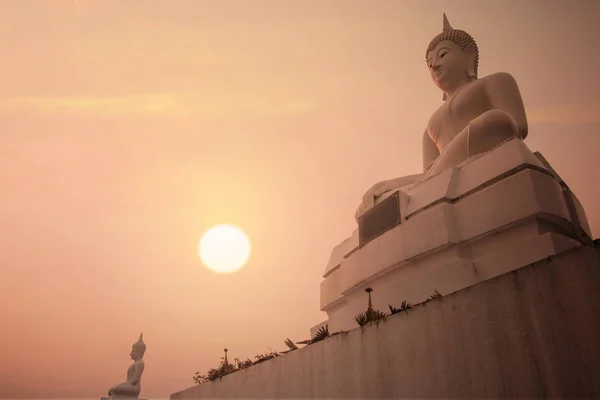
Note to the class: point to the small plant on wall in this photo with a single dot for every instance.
(363, 318)
(435, 296)
(321, 334)
(215, 373)
(264, 357)
(371, 315)
(291, 346)
(403, 307)
(226, 368)
(242, 364)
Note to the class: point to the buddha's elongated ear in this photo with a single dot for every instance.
(471, 63)
(444, 97)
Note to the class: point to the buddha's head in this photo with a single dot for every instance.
(138, 349)
(452, 58)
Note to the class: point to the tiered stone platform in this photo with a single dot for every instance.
(490, 215)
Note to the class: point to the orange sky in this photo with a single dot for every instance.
(130, 127)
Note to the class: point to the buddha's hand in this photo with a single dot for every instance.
(374, 192)
(368, 200)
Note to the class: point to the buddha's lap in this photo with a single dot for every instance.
(126, 388)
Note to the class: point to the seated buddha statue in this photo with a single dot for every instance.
(476, 115)
(132, 386)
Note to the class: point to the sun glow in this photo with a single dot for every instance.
(224, 248)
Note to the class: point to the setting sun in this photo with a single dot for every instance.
(224, 248)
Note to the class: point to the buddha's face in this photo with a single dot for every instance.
(448, 65)
(135, 354)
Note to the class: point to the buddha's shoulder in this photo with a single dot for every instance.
(498, 78)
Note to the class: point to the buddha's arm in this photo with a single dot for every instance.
(430, 152)
(504, 95)
(137, 373)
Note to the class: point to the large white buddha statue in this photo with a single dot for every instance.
(477, 114)
(133, 385)
(484, 205)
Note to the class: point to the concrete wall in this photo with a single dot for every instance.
(533, 332)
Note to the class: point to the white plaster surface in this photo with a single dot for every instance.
(530, 333)
(340, 252)
(492, 214)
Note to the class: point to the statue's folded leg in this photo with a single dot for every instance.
(480, 135)
(125, 390)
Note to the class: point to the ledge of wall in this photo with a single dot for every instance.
(532, 332)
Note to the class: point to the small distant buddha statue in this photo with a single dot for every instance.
(477, 114)
(132, 386)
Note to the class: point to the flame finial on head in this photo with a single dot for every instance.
(140, 345)
(447, 26)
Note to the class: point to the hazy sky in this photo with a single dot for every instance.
(128, 127)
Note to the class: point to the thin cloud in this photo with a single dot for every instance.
(159, 104)
(565, 114)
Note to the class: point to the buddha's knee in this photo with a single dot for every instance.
(489, 130)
